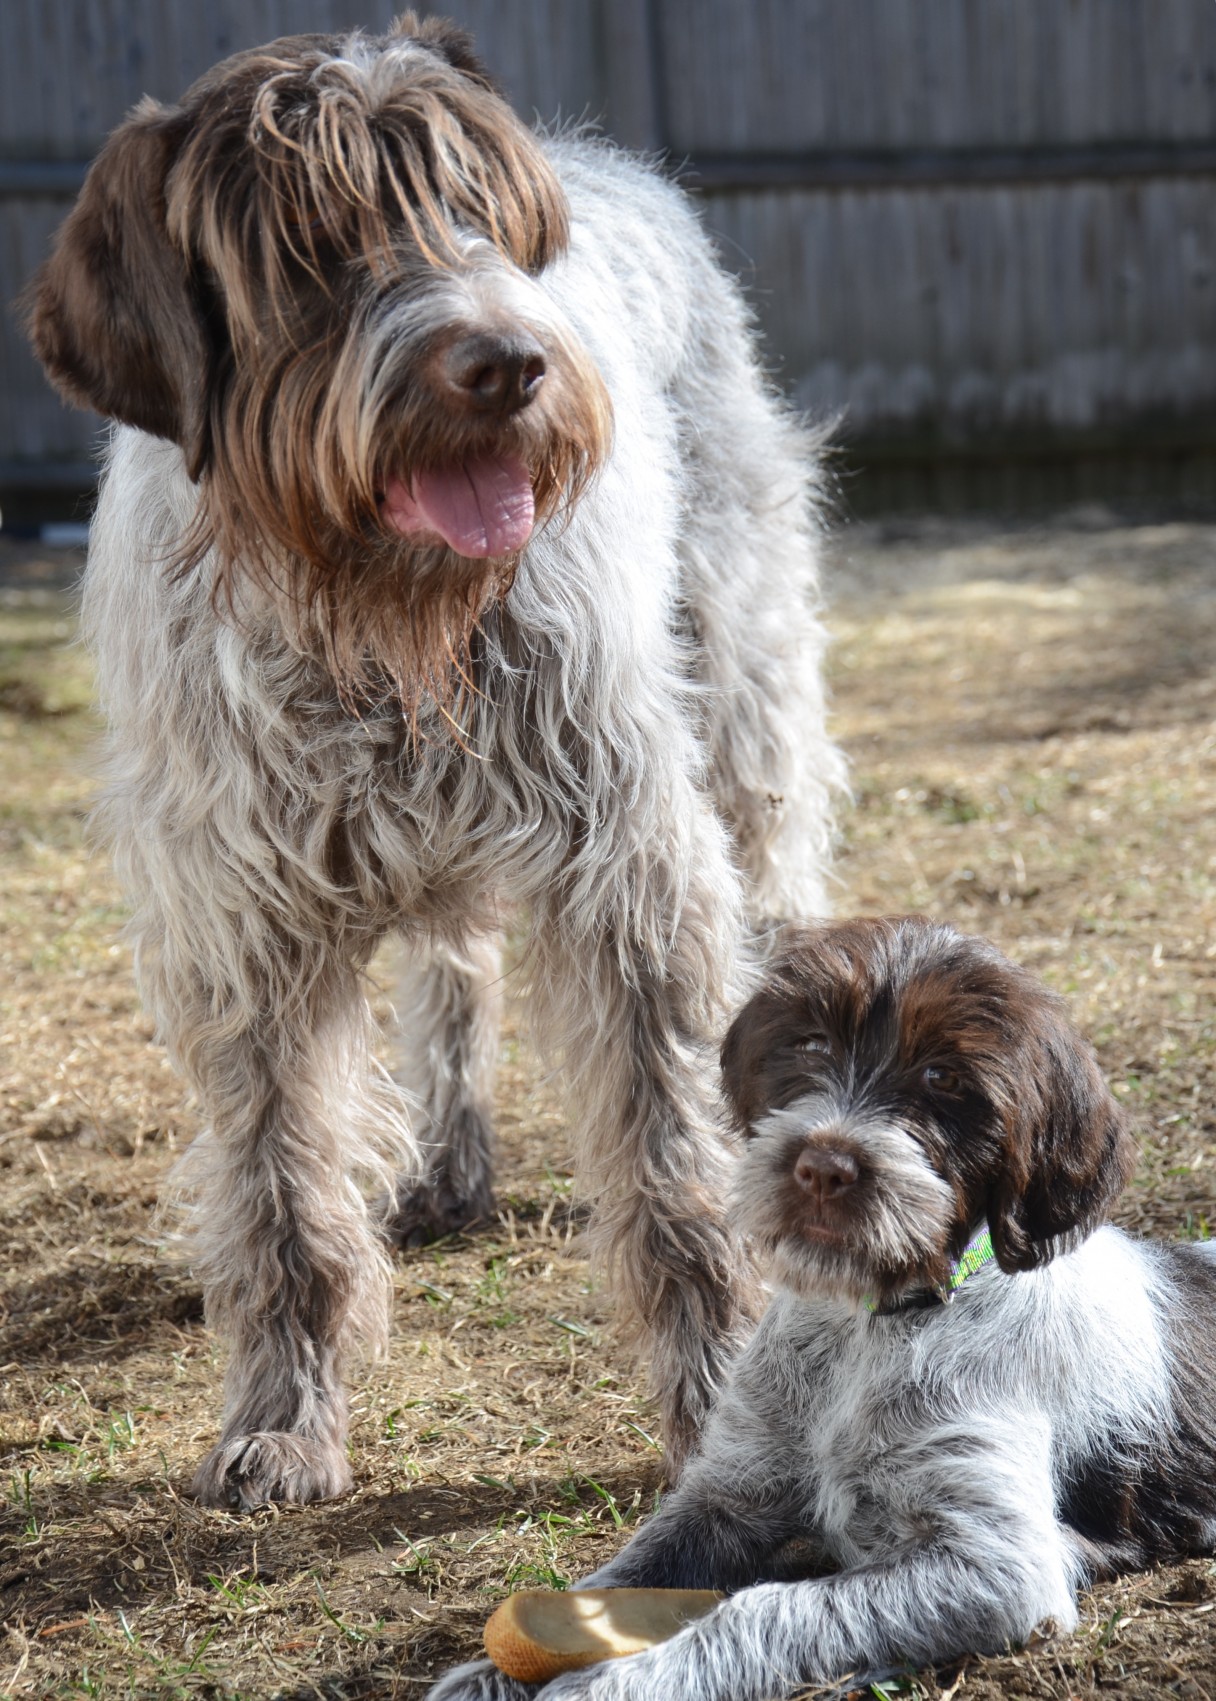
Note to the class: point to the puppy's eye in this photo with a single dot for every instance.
(812, 1046)
(939, 1079)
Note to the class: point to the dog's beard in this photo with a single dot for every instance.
(893, 1235)
(379, 543)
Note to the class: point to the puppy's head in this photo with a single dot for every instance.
(897, 1084)
(319, 275)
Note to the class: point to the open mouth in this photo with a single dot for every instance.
(481, 508)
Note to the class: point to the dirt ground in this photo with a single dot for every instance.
(1029, 717)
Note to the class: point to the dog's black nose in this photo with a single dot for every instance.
(496, 373)
(824, 1172)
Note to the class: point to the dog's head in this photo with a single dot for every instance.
(318, 274)
(897, 1084)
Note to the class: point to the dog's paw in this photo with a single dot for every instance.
(421, 1212)
(245, 1471)
(480, 1680)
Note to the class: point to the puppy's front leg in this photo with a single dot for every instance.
(733, 1509)
(995, 1568)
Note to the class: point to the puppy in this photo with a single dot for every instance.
(966, 1397)
(453, 564)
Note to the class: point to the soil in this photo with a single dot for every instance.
(1028, 713)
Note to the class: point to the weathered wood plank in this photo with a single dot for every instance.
(818, 74)
(86, 62)
(951, 314)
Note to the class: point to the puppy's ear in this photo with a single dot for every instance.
(113, 315)
(811, 965)
(738, 1057)
(756, 1056)
(1067, 1152)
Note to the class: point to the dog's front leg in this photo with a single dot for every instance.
(994, 1567)
(270, 1028)
(635, 976)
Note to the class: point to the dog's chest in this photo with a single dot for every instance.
(451, 813)
(860, 1400)
(449, 824)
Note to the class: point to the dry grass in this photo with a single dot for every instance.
(1029, 717)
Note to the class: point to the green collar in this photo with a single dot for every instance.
(977, 1252)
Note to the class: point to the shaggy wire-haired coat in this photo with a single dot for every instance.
(961, 1442)
(453, 562)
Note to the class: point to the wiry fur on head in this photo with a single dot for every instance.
(270, 273)
(934, 1085)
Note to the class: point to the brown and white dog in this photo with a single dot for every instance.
(966, 1397)
(453, 562)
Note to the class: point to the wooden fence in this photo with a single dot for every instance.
(969, 226)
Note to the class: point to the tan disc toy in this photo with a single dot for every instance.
(538, 1633)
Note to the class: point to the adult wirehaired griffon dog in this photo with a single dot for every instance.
(453, 560)
(966, 1397)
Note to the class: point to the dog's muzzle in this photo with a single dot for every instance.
(493, 374)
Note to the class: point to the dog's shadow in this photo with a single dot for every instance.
(104, 1312)
(371, 1554)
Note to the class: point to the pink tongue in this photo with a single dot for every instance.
(479, 508)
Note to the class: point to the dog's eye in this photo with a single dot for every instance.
(812, 1045)
(305, 218)
(940, 1079)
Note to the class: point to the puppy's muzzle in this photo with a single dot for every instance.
(825, 1173)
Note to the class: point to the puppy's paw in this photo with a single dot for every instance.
(480, 1680)
(245, 1471)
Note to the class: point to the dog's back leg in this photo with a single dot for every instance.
(448, 1004)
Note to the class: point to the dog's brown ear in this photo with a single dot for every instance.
(755, 1054)
(810, 964)
(1067, 1152)
(113, 315)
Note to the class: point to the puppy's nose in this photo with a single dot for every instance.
(823, 1173)
(494, 372)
